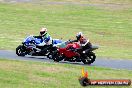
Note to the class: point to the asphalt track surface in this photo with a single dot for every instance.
(100, 62)
(113, 6)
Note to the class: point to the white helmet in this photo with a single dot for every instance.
(43, 31)
(79, 35)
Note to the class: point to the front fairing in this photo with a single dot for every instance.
(60, 45)
(38, 40)
(31, 39)
(74, 45)
(27, 40)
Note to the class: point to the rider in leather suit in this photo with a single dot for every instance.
(47, 40)
(83, 42)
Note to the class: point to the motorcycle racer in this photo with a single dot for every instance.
(79, 50)
(83, 42)
(47, 40)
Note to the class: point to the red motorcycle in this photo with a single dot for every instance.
(73, 53)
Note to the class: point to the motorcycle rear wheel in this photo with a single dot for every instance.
(90, 58)
(50, 56)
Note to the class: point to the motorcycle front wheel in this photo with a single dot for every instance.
(56, 57)
(20, 51)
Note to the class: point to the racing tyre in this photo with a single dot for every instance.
(50, 56)
(56, 57)
(20, 51)
(90, 58)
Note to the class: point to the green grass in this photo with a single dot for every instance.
(109, 27)
(27, 74)
(91, 1)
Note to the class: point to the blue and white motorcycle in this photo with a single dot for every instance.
(31, 46)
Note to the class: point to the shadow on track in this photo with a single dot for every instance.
(34, 57)
(74, 63)
(61, 62)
